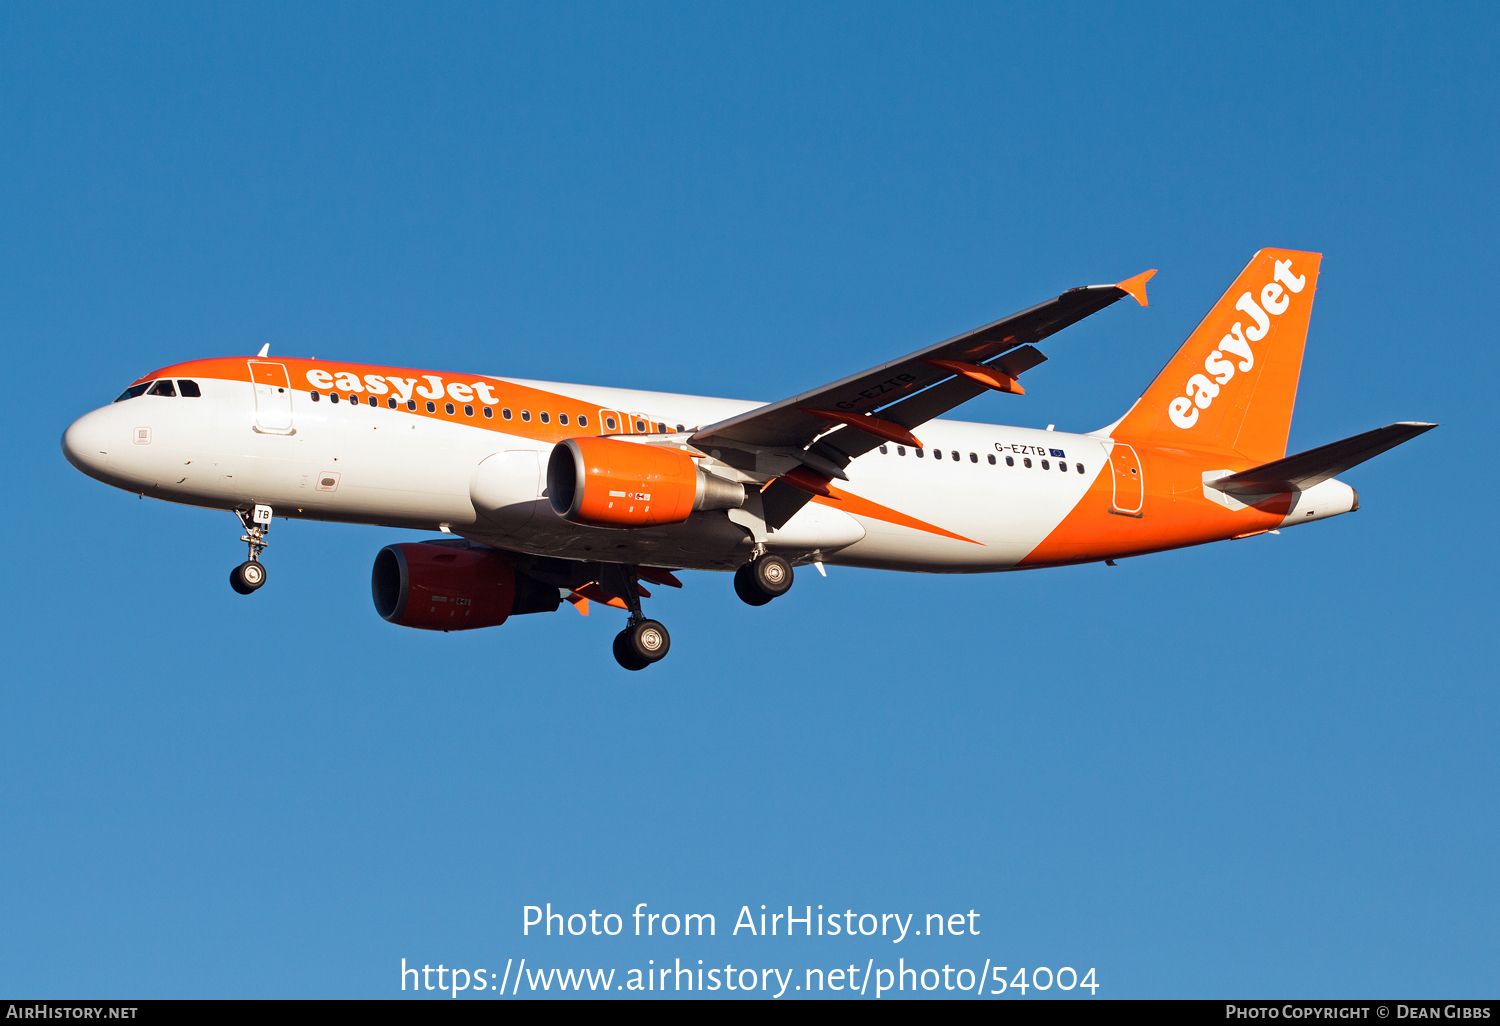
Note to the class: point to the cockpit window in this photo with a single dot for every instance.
(164, 387)
(133, 391)
(188, 389)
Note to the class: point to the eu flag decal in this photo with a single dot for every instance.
(1058, 452)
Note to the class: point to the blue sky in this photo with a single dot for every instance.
(1263, 768)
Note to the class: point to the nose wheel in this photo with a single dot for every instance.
(247, 577)
(765, 577)
(250, 575)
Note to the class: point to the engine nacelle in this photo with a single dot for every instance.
(451, 585)
(604, 482)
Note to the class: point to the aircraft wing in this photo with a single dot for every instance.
(1305, 469)
(906, 393)
(807, 440)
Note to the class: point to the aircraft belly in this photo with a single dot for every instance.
(705, 541)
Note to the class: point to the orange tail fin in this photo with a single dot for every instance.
(1233, 383)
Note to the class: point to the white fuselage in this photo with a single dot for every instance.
(979, 497)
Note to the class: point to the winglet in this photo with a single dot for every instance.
(1136, 287)
(265, 351)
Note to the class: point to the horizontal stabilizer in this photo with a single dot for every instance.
(1305, 469)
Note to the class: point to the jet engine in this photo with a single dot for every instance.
(452, 585)
(604, 482)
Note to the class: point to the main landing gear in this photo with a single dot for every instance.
(250, 575)
(765, 577)
(643, 641)
(641, 644)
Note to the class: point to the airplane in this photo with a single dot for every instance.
(545, 493)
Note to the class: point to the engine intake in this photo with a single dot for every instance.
(604, 482)
(451, 585)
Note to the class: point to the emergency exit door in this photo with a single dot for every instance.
(1130, 486)
(273, 398)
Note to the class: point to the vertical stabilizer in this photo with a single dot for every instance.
(1233, 383)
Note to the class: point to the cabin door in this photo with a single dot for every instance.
(1130, 486)
(273, 398)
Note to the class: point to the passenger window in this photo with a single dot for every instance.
(992, 459)
(546, 418)
(973, 457)
(526, 416)
(918, 452)
(333, 397)
(900, 450)
(583, 420)
(1078, 467)
(680, 427)
(1046, 465)
(562, 418)
(884, 451)
(661, 428)
(505, 413)
(354, 398)
(468, 411)
(431, 406)
(1025, 462)
(189, 390)
(163, 387)
(937, 454)
(609, 422)
(411, 404)
(315, 397)
(1063, 467)
(488, 413)
(133, 391)
(391, 402)
(640, 425)
(955, 456)
(448, 409)
(374, 401)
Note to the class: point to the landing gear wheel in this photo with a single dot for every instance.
(247, 577)
(746, 588)
(649, 640)
(641, 644)
(773, 575)
(763, 579)
(625, 654)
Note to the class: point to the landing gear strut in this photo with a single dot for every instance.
(765, 577)
(250, 575)
(643, 641)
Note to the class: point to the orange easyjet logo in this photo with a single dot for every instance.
(1202, 389)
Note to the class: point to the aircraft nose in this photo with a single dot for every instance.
(87, 440)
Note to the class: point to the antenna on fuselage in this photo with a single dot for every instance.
(265, 350)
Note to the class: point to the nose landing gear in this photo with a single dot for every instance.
(250, 575)
(643, 641)
(765, 577)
